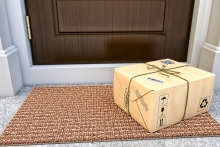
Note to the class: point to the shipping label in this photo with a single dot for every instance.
(155, 80)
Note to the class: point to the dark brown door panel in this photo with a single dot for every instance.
(109, 16)
(108, 31)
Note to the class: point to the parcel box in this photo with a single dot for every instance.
(162, 93)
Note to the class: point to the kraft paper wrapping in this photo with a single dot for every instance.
(157, 101)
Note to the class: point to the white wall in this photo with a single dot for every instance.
(4, 26)
(214, 25)
(214, 39)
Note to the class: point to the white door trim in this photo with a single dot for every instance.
(199, 30)
(85, 74)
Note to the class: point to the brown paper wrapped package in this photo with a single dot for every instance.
(157, 101)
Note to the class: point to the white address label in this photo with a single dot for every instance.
(155, 80)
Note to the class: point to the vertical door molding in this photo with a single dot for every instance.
(210, 51)
(10, 70)
(199, 29)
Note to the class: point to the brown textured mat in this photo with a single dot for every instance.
(87, 113)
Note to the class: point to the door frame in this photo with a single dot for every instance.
(89, 73)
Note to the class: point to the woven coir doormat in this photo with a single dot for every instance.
(87, 113)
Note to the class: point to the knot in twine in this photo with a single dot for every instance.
(163, 70)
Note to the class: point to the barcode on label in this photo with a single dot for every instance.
(155, 80)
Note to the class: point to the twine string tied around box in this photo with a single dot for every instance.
(164, 72)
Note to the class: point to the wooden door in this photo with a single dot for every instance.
(109, 31)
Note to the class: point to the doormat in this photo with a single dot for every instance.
(86, 114)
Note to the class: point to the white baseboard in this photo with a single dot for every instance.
(11, 78)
